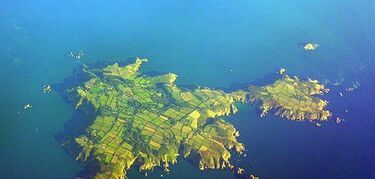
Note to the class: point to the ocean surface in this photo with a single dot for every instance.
(219, 44)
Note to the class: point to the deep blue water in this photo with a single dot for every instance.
(221, 44)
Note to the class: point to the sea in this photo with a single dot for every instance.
(214, 43)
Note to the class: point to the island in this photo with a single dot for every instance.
(148, 121)
(47, 89)
(310, 46)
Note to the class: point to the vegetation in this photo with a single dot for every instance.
(292, 98)
(149, 121)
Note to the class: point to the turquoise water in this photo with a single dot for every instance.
(219, 44)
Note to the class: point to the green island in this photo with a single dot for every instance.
(148, 121)
(292, 98)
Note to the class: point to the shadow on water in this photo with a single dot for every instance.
(267, 79)
(80, 119)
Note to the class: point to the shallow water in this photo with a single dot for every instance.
(212, 43)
